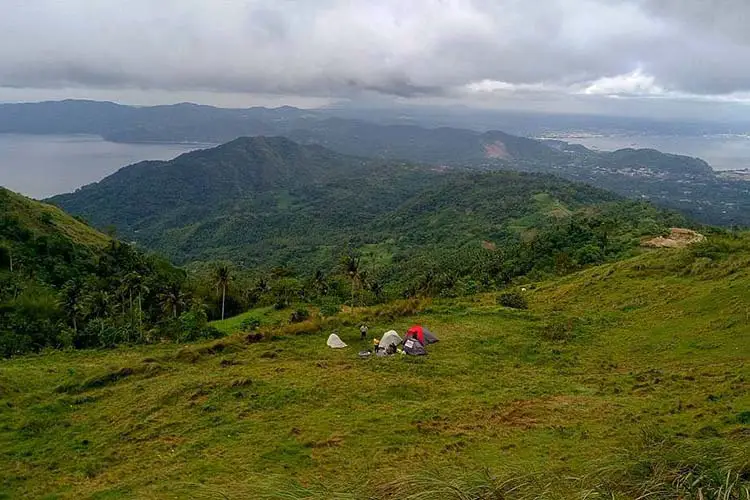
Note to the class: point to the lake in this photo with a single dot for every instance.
(722, 152)
(44, 165)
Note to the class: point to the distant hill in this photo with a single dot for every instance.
(673, 181)
(265, 202)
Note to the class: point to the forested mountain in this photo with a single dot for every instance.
(64, 284)
(265, 202)
(673, 181)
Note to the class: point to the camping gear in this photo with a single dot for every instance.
(334, 342)
(422, 334)
(389, 338)
(364, 354)
(414, 347)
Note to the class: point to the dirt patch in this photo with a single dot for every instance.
(496, 150)
(678, 238)
(253, 338)
(488, 245)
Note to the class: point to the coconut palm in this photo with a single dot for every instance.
(222, 278)
(72, 301)
(172, 299)
(352, 267)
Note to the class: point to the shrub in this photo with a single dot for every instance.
(250, 324)
(330, 307)
(561, 329)
(299, 316)
(513, 299)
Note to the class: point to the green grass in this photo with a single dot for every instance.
(266, 315)
(43, 218)
(642, 390)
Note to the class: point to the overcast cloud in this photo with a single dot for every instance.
(473, 50)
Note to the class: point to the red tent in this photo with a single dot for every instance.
(417, 332)
(422, 334)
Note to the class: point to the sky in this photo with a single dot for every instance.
(683, 58)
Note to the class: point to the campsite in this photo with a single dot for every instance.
(561, 400)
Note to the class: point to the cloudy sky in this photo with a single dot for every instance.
(564, 55)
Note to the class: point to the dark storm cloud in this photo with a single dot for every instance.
(668, 48)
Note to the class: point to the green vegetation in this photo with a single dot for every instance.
(296, 217)
(625, 380)
(673, 181)
(63, 284)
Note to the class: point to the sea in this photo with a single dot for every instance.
(40, 166)
(722, 152)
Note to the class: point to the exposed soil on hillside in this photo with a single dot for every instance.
(678, 238)
(496, 150)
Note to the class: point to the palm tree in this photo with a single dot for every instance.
(7, 254)
(172, 299)
(376, 287)
(222, 277)
(141, 290)
(319, 283)
(351, 265)
(72, 301)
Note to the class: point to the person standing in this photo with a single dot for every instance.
(363, 331)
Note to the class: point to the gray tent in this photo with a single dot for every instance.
(414, 347)
(429, 337)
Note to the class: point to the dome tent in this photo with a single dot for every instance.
(414, 347)
(390, 341)
(334, 342)
(422, 334)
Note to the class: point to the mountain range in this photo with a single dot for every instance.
(673, 181)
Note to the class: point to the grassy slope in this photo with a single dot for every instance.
(42, 218)
(648, 375)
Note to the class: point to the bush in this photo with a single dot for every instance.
(330, 307)
(299, 316)
(250, 324)
(514, 299)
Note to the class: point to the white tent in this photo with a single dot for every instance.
(389, 338)
(334, 342)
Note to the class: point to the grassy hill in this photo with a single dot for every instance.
(627, 380)
(35, 238)
(41, 219)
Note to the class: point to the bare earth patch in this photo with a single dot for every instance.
(496, 150)
(678, 238)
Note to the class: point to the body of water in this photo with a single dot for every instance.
(722, 152)
(44, 165)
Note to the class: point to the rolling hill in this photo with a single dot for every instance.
(265, 202)
(627, 380)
